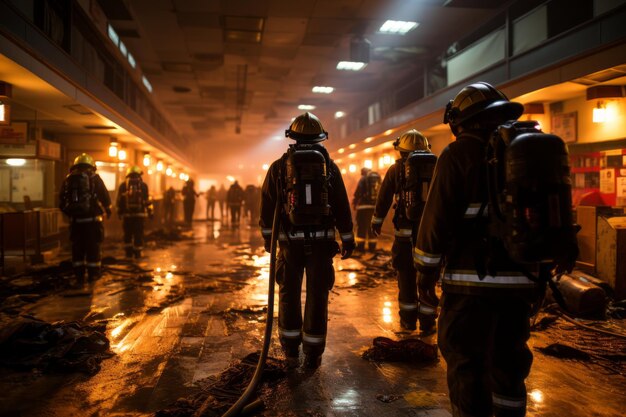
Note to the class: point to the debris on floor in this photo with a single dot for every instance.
(406, 350)
(161, 238)
(222, 391)
(27, 343)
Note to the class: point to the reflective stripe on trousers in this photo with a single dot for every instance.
(472, 279)
(313, 339)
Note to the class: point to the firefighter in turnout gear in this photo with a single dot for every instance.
(391, 193)
(133, 206)
(313, 202)
(364, 202)
(485, 309)
(84, 199)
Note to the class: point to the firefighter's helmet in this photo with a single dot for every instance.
(411, 140)
(133, 169)
(84, 159)
(481, 99)
(306, 128)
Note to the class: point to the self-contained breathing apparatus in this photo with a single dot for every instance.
(306, 185)
(134, 200)
(79, 196)
(372, 187)
(418, 173)
(529, 186)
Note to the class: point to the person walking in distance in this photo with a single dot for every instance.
(211, 199)
(189, 201)
(311, 196)
(235, 199)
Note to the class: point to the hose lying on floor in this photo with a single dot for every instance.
(243, 403)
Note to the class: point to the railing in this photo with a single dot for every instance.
(28, 233)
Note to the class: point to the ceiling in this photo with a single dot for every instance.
(230, 74)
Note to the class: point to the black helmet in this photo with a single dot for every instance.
(482, 99)
(306, 128)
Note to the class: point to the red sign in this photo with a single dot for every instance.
(13, 134)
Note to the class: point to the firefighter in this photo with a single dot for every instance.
(405, 233)
(363, 202)
(84, 199)
(309, 247)
(189, 201)
(133, 205)
(235, 198)
(484, 320)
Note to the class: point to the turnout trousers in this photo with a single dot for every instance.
(86, 248)
(363, 230)
(293, 260)
(133, 235)
(483, 340)
(410, 310)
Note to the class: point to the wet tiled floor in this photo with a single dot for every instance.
(171, 331)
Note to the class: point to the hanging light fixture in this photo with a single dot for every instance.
(122, 154)
(113, 148)
(146, 159)
(6, 92)
(599, 112)
(159, 166)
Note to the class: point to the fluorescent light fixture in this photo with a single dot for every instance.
(368, 163)
(16, 162)
(146, 160)
(159, 166)
(368, 140)
(123, 49)
(341, 150)
(323, 90)
(122, 155)
(397, 27)
(368, 150)
(352, 156)
(4, 114)
(113, 35)
(339, 114)
(131, 60)
(352, 168)
(352, 146)
(306, 107)
(168, 171)
(350, 65)
(146, 83)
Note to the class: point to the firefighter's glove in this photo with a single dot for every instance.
(347, 248)
(376, 228)
(426, 283)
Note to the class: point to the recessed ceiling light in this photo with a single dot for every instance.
(339, 114)
(397, 27)
(306, 107)
(323, 90)
(350, 65)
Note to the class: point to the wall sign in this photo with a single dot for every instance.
(607, 181)
(48, 150)
(13, 134)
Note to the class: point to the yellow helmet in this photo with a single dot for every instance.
(84, 159)
(306, 128)
(410, 141)
(133, 169)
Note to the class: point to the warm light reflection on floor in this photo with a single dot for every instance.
(346, 400)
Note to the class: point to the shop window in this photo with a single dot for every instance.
(27, 185)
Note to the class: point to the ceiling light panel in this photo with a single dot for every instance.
(322, 90)
(306, 107)
(397, 27)
(350, 65)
